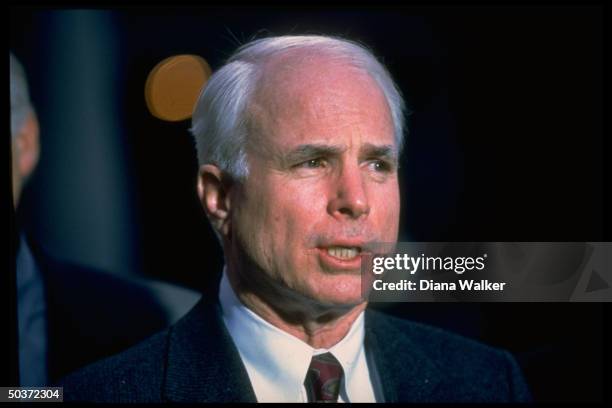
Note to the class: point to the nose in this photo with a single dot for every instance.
(349, 195)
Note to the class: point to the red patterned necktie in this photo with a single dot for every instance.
(323, 379)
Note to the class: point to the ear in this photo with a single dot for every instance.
(27, 147)
(214, 192)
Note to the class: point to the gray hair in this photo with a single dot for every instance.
(219, 121)
(20, 99)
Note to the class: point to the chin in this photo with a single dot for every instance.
(340, 291)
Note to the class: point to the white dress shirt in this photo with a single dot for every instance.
(277, 362)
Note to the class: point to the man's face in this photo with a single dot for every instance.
(322, 182)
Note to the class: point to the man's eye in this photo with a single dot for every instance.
(380, 166)
(312, 163)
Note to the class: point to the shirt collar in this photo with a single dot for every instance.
(276, 361)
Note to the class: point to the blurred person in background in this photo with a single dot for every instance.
(70, 315)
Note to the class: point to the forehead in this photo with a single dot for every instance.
(314, 98)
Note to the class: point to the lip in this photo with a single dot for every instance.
(333, 263)
(343, 242)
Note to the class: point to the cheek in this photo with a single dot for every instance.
(276, 221)
(296, 216)
(299, 215)
(252, 224)
(387, 201)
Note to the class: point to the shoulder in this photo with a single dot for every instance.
(134, 375)
(437, 342)
(92, 313)
(465, 369)
(194, 360)
(81, 291)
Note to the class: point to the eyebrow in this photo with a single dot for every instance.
(309, 151)
(381, 151)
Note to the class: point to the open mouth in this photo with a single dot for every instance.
(344, 253)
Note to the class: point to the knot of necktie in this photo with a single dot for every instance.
(323, 378)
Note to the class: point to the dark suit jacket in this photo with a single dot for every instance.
(92, 314)
(195, 360)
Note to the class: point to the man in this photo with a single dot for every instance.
(298, 139)
(64, 318)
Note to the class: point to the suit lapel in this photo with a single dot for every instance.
(405, 373)
(203, 363)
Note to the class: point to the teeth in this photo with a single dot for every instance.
(343, 252)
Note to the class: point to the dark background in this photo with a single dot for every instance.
(505, 143)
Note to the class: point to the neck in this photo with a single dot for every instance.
(320, 326)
